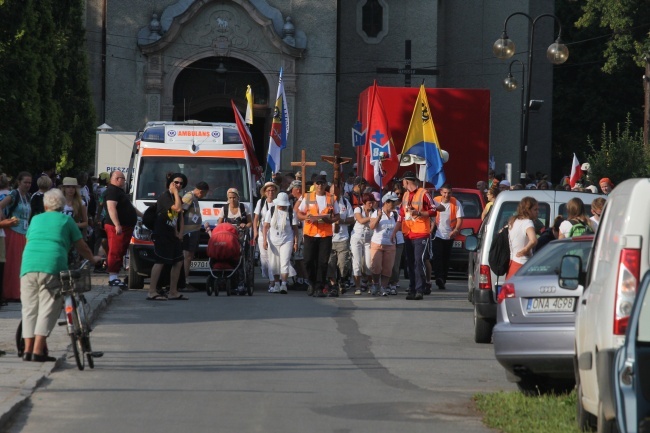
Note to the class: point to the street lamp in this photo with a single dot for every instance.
(557, 53)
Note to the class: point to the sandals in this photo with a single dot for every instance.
(178, 298)
(156, 298)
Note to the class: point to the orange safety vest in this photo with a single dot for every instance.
(317, 229)
(453, 208)
(418, 225)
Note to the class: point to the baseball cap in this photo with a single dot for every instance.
(294, 184)
(104, 176)
(409, 175)
(389, 196)
(320, 178)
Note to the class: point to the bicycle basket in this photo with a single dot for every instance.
(79, 279)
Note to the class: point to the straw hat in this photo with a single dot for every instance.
(69, 181)
(267, 185)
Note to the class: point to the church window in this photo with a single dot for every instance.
(372, 20)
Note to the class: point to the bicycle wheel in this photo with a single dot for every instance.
(85, 331)
(76, 335)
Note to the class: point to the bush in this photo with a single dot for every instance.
(621, 155)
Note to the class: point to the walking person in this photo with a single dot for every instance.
(120, 220)
(521, 234)
(295, 197)
(36, 201)
(16, 206)
(577, 222)
(167, 238)
(416, 212)
(448, 224)
(268, 193)
(385, 223)
(280, 237)
(192, 224)
(50, 236)
(393, 283)
(360, 242)
(235, 213)
(339, 262)
(318, 210)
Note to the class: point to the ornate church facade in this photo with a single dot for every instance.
(186, 59)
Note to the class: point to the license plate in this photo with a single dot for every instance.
(550, 305)
(458, 244)
(199, 264)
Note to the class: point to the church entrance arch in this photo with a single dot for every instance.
(203, 90)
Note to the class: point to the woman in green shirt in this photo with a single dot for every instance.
(49, 238)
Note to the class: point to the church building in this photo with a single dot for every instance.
(186, 59)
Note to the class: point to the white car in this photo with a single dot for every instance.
(620, 255)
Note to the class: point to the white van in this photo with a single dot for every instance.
(483, 285)
(620, 255)
(202, 151)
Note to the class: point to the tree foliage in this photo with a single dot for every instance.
(629, 21)
(46, 112)
(621, 154)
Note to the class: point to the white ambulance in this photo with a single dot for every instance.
(202, 151)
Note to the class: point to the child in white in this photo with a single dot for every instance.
(280, 239)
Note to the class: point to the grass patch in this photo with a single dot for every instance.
(513, 412)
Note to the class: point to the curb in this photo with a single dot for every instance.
(21, 394)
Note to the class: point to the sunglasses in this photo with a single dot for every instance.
(178, 183)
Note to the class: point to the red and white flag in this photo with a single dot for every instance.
(576, 172)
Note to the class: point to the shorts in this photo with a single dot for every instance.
(191, 241)
(168, 250)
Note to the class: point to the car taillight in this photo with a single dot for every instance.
(627, 282)
(507, 291)
(137, 146)
(485, 278)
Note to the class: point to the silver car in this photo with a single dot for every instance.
(534, 333)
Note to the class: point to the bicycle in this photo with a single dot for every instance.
(73, 284)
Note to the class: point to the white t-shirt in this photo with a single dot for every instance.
(361, 229)
(519, 239)
(281, 232)
(345, 212)
(261, 209)
(321, 202)
(594, 223)
(384, 229)
(443, 229)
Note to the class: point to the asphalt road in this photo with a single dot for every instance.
(274, 363)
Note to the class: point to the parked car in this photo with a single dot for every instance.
(620, 255)
(535, 328)
(631, 373)
(473, 202)
(482, 283)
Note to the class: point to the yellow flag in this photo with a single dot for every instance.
(249, 105)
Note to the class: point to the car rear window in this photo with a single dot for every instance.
(471, 204)
(547, 260)
(508, 209)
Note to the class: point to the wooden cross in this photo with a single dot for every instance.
(336, 161)
(302, 164)
(408, 71)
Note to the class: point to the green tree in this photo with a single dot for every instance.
(621, 154)
(629, 22)
(46, 113)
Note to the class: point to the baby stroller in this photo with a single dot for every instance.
(230, 261)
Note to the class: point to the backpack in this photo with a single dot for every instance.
(223, 246)
(579, 228)
(499, 258)
(149, 217)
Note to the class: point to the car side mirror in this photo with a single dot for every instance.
(467, 232)
(571, 275)
(471, 242)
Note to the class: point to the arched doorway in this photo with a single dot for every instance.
(203, 90)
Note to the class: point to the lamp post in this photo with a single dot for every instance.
(510, 84)
(557, 53)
